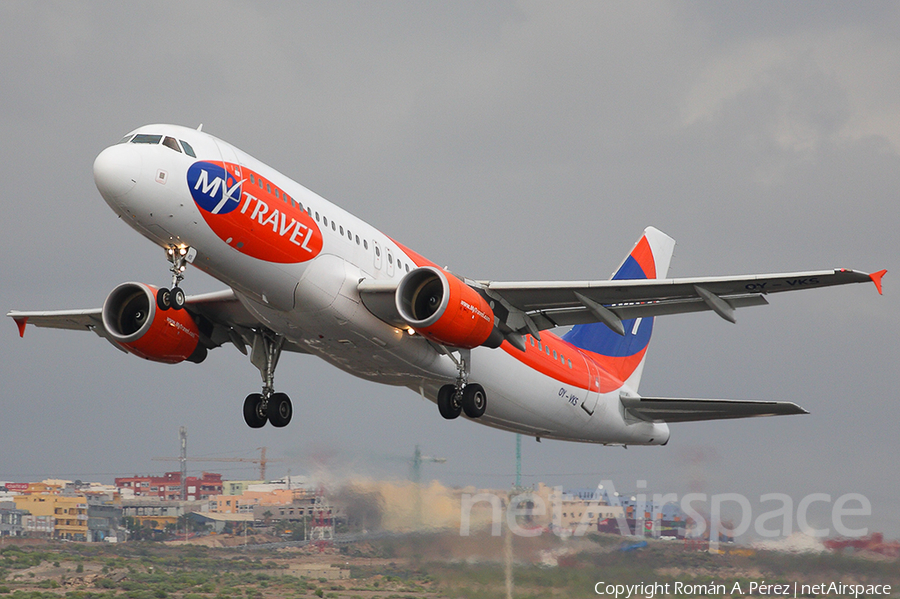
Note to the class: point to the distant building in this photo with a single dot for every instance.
(11, 524)
(68, 514)
(103, 522)
(157, 513)
(168, 486)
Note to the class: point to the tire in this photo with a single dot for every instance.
(176, 298)
(254, 415)
(474, 400)
(448, 405)
(280, 410)
(163, 299)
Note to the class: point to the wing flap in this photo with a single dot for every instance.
(671, 409)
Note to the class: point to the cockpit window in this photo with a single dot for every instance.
(170, 142)
(143, 138)
(188, 149)
(124, 140)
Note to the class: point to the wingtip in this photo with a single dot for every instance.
(21, 321)
(876, 278)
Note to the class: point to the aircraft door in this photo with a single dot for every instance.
(376, 251)
(589, 404)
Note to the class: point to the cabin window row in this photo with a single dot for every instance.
(321, 218)
(546, 349)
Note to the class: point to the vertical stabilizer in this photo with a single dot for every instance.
(622, 356)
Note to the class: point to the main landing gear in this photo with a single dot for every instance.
(463, 396)
(173, 298)
(267, 406)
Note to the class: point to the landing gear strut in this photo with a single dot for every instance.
(174, 297)
(268, 406)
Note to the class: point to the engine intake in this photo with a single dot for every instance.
(445, 309)
(134, 322)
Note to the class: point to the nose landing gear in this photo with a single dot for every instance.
(180, 257)
(267, 406)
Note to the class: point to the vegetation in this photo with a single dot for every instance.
(416, 566)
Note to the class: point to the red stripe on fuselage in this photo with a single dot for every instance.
(418, 259)
(536, 357)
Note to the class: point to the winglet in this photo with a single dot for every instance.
(21, 322)
(876, 278)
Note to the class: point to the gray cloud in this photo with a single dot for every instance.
(508, 141)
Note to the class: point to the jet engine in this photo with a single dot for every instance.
(441, 307)
(133, 321)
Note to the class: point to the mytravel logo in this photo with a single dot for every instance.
(258, 221)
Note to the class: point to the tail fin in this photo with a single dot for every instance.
(623, 356)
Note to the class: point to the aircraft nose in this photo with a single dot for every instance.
(116, 170)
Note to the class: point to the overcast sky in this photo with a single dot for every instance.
(509, 141)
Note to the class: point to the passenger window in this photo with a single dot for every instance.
(357, 240)
(325, 220)
(570, 363)
(377, 251)
(554, 354)
(188, 149)
(309, 211)
(268, 188)
(365, 244)
(390, 258)
(407, 268)
(342, 231)
(170, 142)
(143, 138)
(399, 263)
(251, 178)
(259, 182)
(317, 217)
(333, 227)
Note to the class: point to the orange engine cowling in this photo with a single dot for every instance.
(135, 323)
(446, 310)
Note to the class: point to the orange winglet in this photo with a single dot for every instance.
(876, 278)
(21, 322)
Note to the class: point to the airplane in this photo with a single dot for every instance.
(305, 276)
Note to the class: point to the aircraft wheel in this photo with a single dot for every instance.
(280, 410)
(448, 405)
(163, 299)
(474, 400)
(176, 298)
(254, 413)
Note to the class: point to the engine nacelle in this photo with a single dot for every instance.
(134, 322)
(445, 309)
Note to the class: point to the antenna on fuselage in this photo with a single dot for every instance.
(200, 128)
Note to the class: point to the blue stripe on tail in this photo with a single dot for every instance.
(599, 338)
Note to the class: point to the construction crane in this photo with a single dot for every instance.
(415, 470)
(262, 460)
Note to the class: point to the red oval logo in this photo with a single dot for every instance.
(251, 214)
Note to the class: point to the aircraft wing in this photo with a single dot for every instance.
(550, 304)
(670, 409)
(220, 315)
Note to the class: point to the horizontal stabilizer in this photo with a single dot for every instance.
(671, 409)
